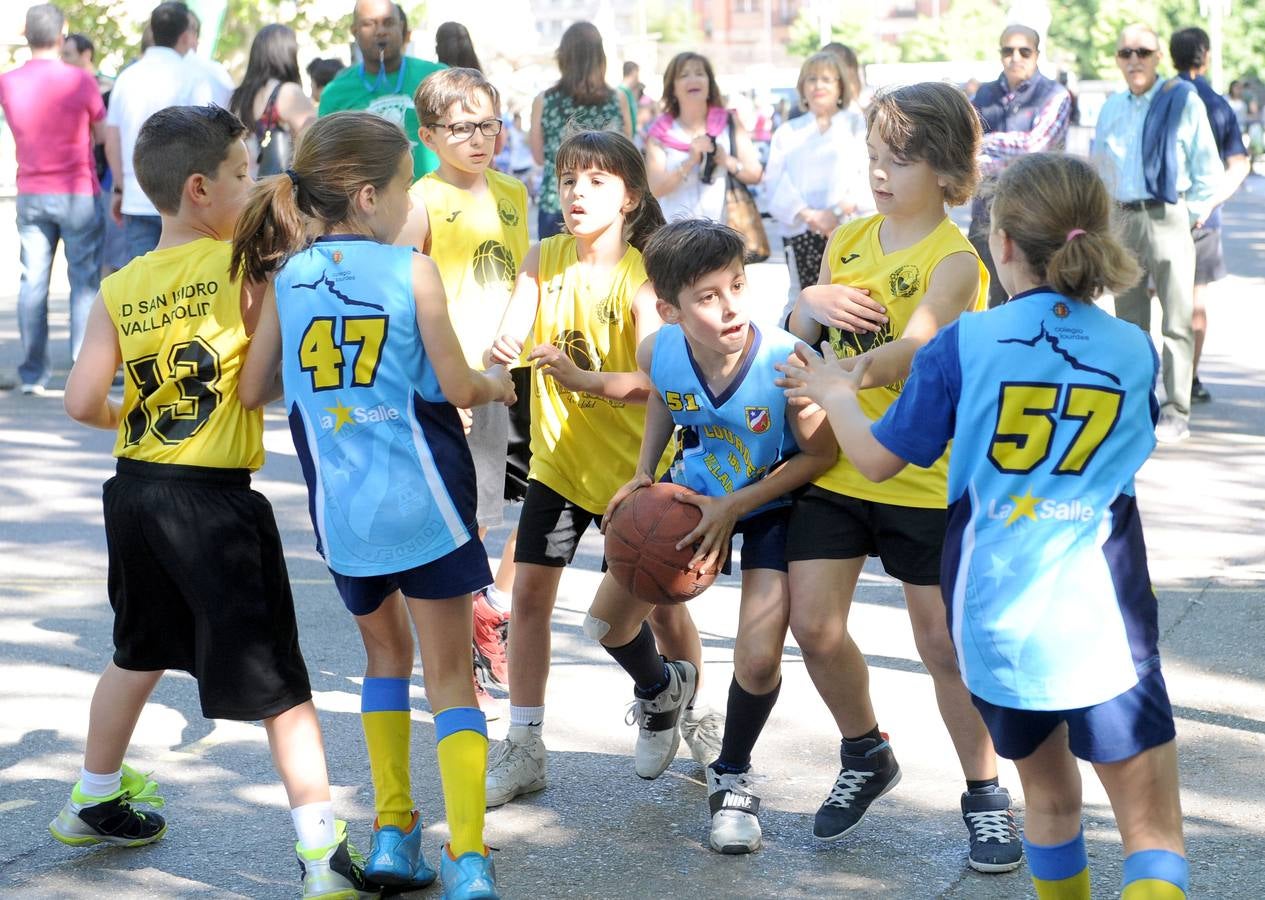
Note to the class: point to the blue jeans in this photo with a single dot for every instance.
(43, 219)
(548, 224)
(142, 233)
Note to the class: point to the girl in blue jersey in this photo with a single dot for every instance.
(373, 373)
(1049, 404)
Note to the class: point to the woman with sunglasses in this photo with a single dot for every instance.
(1023, 112)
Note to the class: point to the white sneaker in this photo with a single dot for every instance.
(702, 728)
(1171, 428)
(659, 737)
(735, 813)
(516, 766)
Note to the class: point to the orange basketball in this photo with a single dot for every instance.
(641, 539)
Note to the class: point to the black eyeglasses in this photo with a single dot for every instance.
(462, 131)
(1139, 52)
(1025, 52)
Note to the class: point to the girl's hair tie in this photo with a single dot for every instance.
(1074, 233)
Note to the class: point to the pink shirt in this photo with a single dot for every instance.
(50, 107)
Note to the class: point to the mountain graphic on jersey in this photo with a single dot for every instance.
(324, 281)
(1053, 342)
(494, 265)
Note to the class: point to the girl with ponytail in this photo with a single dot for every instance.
(373, 373)
(1049, 403)
(581, 306)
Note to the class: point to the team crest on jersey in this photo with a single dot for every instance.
(505, 209)
(1061, 310)
(758, 419)
(338, 257)
(607, 311)
(904, 281)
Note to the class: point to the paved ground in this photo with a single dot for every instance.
(598, 831)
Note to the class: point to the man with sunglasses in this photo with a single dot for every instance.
(1154, 148)
(1023, 112)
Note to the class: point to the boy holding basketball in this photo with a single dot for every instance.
(740, 449)
(472, 221)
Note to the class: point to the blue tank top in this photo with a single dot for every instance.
(1050, 408)
(725, 442)
(389, 474)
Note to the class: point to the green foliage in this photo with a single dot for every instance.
(673, 23)
(967, 30)
(105, 22)
(244, 18)
(851, 25)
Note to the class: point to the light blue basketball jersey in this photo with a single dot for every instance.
(725, 442)
(1050, 408)
(389, 474)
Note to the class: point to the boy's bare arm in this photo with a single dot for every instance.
(259, 381)
(87, 399)
(416, 230)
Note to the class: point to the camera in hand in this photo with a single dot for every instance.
(709, 168)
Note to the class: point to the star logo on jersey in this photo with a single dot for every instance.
(342, 414)
(452, 217)
(1024, 507)
(844, 260)
(1000, 571)
(758, 419)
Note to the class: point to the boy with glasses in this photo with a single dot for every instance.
(1023, 112)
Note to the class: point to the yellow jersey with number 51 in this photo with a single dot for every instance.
(178, 316)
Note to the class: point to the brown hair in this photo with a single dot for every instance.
(180, 141)
(582, 65)
(825, 59)
(337, 156)
(612, 152)
(933, 123)
(437, 93)
(1043, 202)
(671, 105)
(851, 65)
(679, 254)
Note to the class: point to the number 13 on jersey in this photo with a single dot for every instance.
(1028, 414)
(323, 350)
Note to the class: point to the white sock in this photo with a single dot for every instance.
(532, 717)
(498, 599)
(100, 785)
(314, 824)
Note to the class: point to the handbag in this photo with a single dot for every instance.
(275, 146)
(807, 249)
(742, 215)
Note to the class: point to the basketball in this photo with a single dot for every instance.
(641, 539)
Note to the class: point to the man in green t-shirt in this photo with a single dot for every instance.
(384, 83)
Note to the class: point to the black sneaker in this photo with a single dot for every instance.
(863, 778)
(995, 844)
(111, 820)
(1199, 393)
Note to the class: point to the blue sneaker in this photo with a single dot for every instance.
(395, 856)
(470, 876)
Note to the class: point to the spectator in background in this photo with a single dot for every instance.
(78, 50)
(581, 99)
(160, 78)
(1190, 49)
(219, 82)
(53, 110)
(384, 81)
(688, 148)
(321, 72)
(271, 95)
(631, 87)
(857, 90)
(818, 172)
(1155, 150)
(453, 47)
(1023, 112)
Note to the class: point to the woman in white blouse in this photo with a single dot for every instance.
(818, 171)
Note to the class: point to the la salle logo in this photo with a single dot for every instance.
(758, 419)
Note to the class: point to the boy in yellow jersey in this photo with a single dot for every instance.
(917, 265)
(472, 221)
(197, 578)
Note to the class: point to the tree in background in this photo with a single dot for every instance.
(852, 25)
(104, 23)
(967, 30)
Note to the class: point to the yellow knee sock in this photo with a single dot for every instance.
(384, 714)
(1060, 871)
(462, 736)
(1155, 875)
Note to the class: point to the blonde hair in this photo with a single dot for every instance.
(1058, 212)
(933, 123)
(825, 59)
(337, 156)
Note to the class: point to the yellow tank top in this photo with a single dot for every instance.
(179, 321)
(898, 280)
(478, 243)
(585, 447)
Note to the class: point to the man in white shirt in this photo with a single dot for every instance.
(162, 77)
(219, 82)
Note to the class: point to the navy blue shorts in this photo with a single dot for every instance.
(462, 571)
(1120, 728)
(763, 540)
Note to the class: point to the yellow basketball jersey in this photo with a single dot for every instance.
(179, 321)
(585, 447)
(898, 280)
(478, 243)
